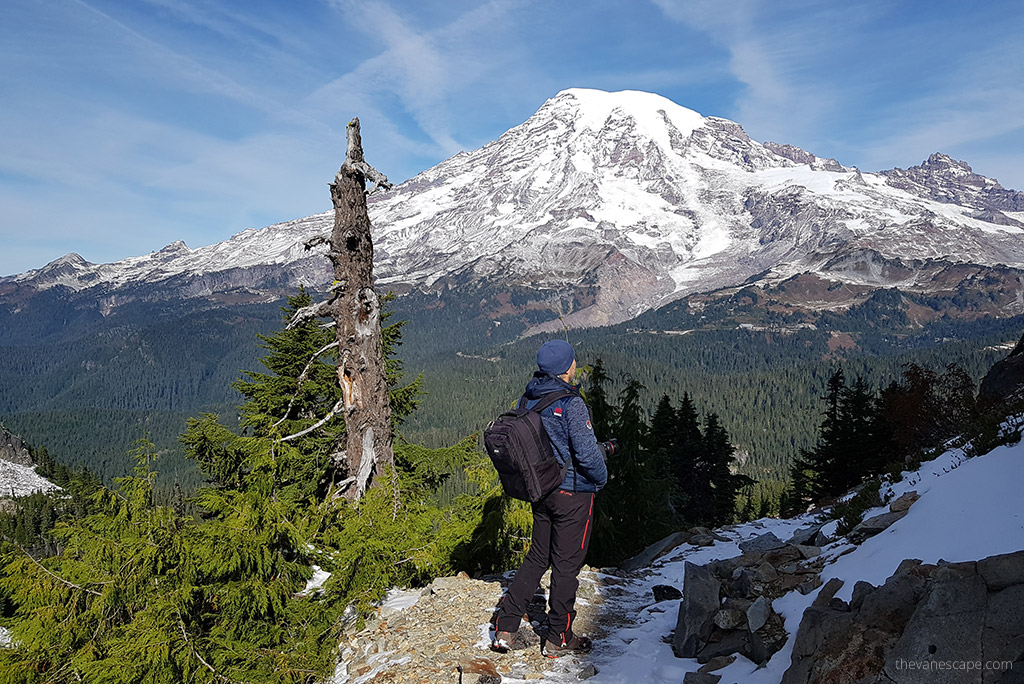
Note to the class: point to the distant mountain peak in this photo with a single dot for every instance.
(625, 196)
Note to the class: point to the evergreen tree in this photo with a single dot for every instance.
(692, 479)
(602, 413)
(718, 454)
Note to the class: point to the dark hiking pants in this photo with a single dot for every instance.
(562, 526)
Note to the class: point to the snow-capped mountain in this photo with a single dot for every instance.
(614, 202)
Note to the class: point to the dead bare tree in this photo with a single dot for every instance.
(355, 308)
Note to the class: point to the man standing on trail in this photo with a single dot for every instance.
(563, 520)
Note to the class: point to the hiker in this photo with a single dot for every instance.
(562, 520)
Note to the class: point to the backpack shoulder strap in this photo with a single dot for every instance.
(549, 399)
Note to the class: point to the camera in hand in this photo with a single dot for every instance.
(609, 448)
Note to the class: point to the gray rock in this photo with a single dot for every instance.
(819, 628)
(665, 592)
(904, 502)
(700, 603)
(809, 551)
(1003, 570)
(701, 678)
(655, 550)
(761, 544)
(757, 614)
(717, 663)
(810, 585)
(730, 618)
(860, 590)
(805, 535)
(782, 555)
(827, 592)
(952, 571)
(1002, 638)
(588, 672)
(765, 572)
(822, 539)
(945, 628)
(890, 606)
(906, 565)
(874, 525)
(734, 641)
(702, 540)
(745, 585)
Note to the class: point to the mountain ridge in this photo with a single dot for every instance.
(625, 199)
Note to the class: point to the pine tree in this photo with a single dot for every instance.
(692, 479)
(718, 453)
(602, 413)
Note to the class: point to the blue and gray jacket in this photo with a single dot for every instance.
(567, 422)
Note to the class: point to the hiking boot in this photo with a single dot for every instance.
(502, 642)
(577, 645)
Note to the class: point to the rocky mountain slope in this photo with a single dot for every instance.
(935, 578)
(602, 205)
(18, 476)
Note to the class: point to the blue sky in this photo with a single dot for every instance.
(127, 125)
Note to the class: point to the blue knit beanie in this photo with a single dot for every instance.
(555, 357)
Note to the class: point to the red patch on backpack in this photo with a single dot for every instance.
(558, 412)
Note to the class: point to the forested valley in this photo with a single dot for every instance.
(214, 581)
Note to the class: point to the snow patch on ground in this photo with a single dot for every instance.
(316, 582)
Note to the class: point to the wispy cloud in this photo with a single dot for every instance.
(876, 84)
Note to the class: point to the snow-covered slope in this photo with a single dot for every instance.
(969, 509)
(626, 193)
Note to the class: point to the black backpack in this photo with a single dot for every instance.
(521, 452)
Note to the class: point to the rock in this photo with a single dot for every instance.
(745, 585)
(889, 607)
(805, 535)
(699, 530)
(782, 555)
(874, 525)
(765, 572)
(730, 618)
(860, 590)
(809, 551)
(734, 641)
(665, 592)
(906, 565)
(656, 550)
(757, 614)
(822, 539)
(587, 672)
(1003, 636)
(717, 663)
(904, 502)
(702, 540)
(820, 631)
(945, 628)
(700, 603)
(1003, 570)
(827, 592)
(810, 585)
(952, 571)
(761, 544)
(701, 678)
(481, 666)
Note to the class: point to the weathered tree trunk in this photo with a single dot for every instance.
(355, 309)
